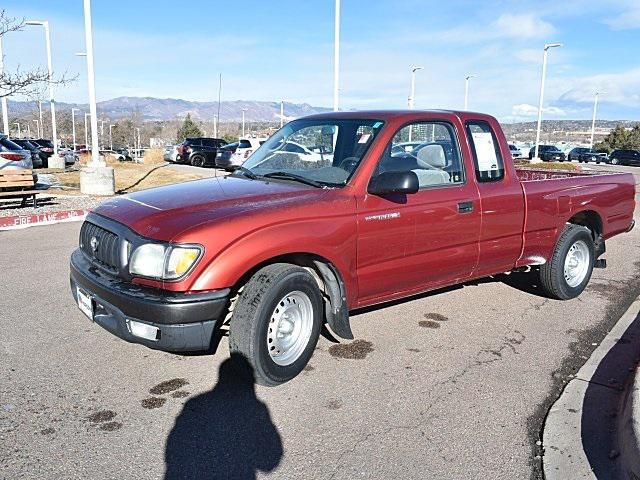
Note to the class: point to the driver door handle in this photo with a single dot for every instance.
(465, 207)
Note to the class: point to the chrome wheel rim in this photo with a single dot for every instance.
(289, 328)
(576, 263)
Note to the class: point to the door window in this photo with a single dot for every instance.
(429, 149)
(486, 151)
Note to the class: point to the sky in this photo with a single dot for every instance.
(282, 49)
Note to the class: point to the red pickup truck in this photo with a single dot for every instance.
(333, 213)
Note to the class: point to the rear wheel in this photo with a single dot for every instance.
(614, 161)
(197, 161)
(569, 269)
(276, 324)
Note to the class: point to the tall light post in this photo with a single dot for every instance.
(243, 112)
(282, 113)
(58, 162)
(466, 90)
(19, 130)
(111, 137)
(336, 58)
(73, 126)
(412, 92)
(41, 124)
(593, 121)
(3, 100)
(96, 178)
(544, 74)
(37, 128)
(86, 131)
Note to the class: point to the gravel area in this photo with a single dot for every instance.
(48, 203)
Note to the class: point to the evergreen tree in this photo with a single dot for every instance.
(188, 129)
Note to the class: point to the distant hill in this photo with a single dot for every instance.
(158, 109)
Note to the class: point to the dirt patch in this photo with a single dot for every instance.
(111, 426)
(168, 386)
(435, 316)
(48, 431)
(601, 289)
(180, 394)
(356, 350)
(102, 416)
(414, 350)
(309, 368)
(428, 324)
(153, 402)
(334, 404)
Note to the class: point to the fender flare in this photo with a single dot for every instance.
(336, 311)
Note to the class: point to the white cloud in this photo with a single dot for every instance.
(628, 19)
(525, 110)
(522, 25)
(621, 88)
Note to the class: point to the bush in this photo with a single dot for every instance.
(154, 156)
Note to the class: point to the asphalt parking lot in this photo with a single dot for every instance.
(452, 384)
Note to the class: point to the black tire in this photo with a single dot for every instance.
(552, 277)
(197, 161)
(250, 322)
(614, 161)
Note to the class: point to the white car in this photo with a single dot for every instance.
(171, 153)
(13, 156)
(515, 151)
(246, 146)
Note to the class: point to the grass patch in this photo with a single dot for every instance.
(129, 176)
(548, 165)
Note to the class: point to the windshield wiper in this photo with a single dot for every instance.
(246, 172)
(294, 177)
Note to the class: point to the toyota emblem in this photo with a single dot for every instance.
(94, 244)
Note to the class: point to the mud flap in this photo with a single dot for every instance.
(337, 312)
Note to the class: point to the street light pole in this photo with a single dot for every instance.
(111, 138)
(243, 111)
(412, 92)
(73, 127)
(282, 113)
(466, 90)
(593, 121)
(41, 124)
(5, 113)
(336, 58)
(37, 128)
(59, 162)
(86, 131)
(19, 131)
(544, 74)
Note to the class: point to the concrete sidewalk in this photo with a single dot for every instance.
(592, 430)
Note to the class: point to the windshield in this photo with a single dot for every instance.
(326, 151)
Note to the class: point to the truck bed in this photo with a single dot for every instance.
(553, 197)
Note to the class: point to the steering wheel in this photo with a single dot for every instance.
(349, 164)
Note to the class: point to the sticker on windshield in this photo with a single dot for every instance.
(364, 138)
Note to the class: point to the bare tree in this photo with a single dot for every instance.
(20, 82)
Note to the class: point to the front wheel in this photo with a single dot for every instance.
(614, 161)
(568, 271)
(276, 324)
(197, 161)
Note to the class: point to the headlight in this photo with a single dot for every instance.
(164, 262)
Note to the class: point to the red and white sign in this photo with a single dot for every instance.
(23, 221)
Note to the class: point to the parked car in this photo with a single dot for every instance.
(13, 156)
(515, 151)
(548, 153)
(46, 147)
(586, 155)
(275, 252)
(624, 157)
(171, 153)
(70, 157)
(224, 155)
(36, 154)
(246, 146)
(200, 151)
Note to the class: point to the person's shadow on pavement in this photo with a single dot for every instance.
(224, 433)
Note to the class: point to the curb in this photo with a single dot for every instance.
(17, 222)
(629, 431)
(579, 437)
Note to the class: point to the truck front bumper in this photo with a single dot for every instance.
(162, 320)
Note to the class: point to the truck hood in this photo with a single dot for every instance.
(163, 213)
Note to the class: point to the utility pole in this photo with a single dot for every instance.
(86, 131)
(37, 128)
(593, 122)
(466, 90)
(281, 113)
(111, 137)
(73, 127)
(3, 100)
(536, 159)
(412, 91)
(243, 111)
(41, 124)
(19, 131)
(336, 58)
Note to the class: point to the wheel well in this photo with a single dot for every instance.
(589, 219)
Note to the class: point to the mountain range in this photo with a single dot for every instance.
(162, 109)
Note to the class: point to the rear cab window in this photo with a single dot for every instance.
(487, 158)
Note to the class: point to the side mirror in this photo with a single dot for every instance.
(394, 182)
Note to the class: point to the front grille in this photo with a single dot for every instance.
(100, 245)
